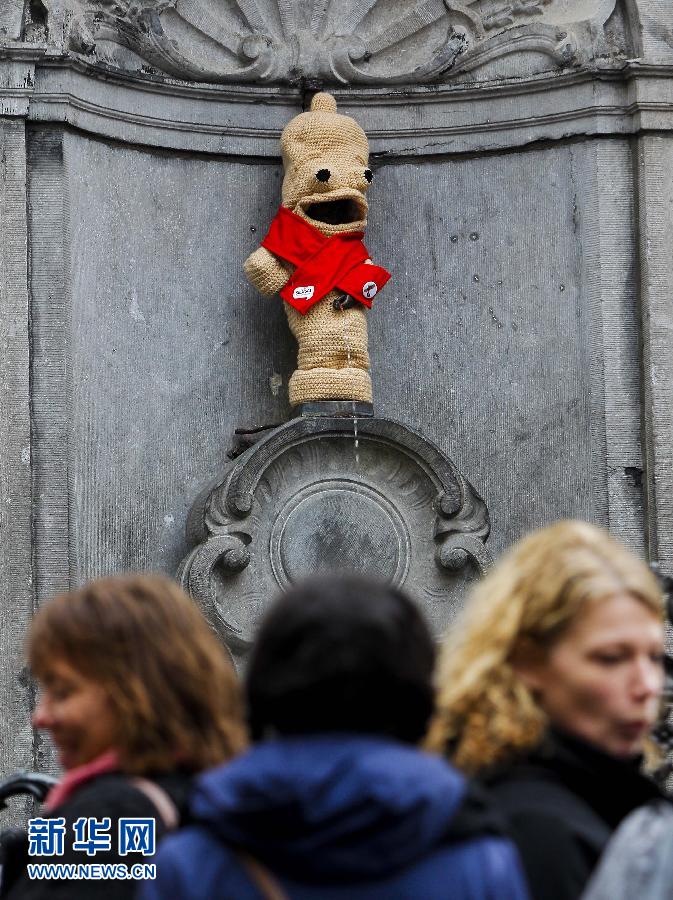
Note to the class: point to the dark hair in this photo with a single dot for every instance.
(171, 684)
(342, 654)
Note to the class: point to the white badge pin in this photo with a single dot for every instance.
(370, 289)
(303, 293)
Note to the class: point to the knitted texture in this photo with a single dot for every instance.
(265, 272)
(330, 338)
(330, 384)
(322, 139)
(325, 159)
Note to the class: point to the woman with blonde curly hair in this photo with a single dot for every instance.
(549, 686)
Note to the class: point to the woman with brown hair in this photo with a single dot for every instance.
(549, 687)
(137, 695)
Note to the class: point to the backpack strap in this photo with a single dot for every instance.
(160, 800)
(261, 877)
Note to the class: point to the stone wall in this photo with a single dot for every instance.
(522, 199)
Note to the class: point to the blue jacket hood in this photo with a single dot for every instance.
(336, 806)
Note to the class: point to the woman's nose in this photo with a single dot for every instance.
(648, 679)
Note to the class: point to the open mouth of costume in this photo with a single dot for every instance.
(341, 211)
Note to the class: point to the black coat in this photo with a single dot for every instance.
(563, 801)
(111, 795)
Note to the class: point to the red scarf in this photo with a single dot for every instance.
(322, 263)
(73, 778)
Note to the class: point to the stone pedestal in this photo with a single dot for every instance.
(323, 495)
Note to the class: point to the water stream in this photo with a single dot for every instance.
(349, 360)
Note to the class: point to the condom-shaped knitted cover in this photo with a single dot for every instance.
(333, 361)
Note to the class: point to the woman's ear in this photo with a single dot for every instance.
(528, 660)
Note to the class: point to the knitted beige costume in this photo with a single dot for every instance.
(333, 360)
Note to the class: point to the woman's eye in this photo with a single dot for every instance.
(608, 659)
(59, 692)
(59, 695)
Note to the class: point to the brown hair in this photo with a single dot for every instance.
(485, 713)
(173, 690)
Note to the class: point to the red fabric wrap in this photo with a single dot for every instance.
(73, 778)
(322, 263)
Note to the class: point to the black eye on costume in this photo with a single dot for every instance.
(322, 174)
(369, 175)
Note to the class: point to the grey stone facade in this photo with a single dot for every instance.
(522, 199)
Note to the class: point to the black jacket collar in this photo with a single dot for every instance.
(611, 786)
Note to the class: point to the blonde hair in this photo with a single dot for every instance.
(485, 713)
(172, 687)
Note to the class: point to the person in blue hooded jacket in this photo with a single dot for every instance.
(334, 800)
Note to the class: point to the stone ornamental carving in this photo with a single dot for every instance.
(352, 42)
(310, 497)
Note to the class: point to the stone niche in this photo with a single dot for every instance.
(322, 495)
(521, 199)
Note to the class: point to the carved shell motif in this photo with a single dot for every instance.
(342, 41)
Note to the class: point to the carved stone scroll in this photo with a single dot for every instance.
(356, 42)
(313, 497)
